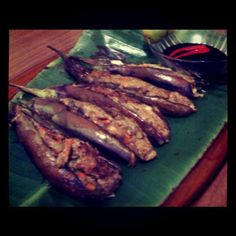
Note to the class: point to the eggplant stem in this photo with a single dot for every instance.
(23, 88)
(42, 93)
(60, 53)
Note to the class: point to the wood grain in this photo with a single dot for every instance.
(28, 55)
(28, 47)
(216, 194)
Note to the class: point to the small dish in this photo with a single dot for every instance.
(207, 70)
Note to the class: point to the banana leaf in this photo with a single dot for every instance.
(148, 184)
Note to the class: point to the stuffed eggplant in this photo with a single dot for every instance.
(78, 126)
(125, 129)
(66, 162)
(170, 102)
(114, 102)
(161, 76)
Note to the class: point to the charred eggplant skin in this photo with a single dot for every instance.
(169, 102)
(122, 127)
(125, 129)
(73, 65)
(79, 126)
(163, 78)
(69, 180)
(148, 117)
(90, 93)
(79, 68)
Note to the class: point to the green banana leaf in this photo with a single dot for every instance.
(148, 184)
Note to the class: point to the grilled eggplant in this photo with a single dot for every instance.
(161, 76)
(169, 102)
(114, 102)
(68, 163)
(125, 129)
(77, 125)
(148, 117)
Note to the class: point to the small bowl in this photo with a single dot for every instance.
(207, 71)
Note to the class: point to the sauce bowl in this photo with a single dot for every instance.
(207, 71)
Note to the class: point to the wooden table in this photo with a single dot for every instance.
(206, 185)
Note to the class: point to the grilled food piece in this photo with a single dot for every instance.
(125, 129)
(114, 102)
(163, 77)
(169, 102)
(77, 125)
(68, 163)
(148, 117)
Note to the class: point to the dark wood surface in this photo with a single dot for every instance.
(206, 184)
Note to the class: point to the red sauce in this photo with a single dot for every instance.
(193, 51)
